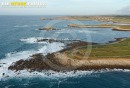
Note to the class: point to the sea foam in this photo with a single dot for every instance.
(31, 40)
(22, 26)
(15, 56)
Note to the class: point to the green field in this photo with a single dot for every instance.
(117, 19)
(114, 50)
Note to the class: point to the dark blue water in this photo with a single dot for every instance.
(14, 28)
(99, 80)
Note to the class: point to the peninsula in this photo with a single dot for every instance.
(102, 56)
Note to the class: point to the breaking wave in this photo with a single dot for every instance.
(22, 26)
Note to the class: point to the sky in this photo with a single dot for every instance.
(72, 7)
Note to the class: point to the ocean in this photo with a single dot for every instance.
(18, 35)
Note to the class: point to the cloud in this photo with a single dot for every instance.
(125, 10)
(72, 7)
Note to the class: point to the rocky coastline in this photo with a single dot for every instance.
(59, 61)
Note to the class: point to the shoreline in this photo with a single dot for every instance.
(60, 61)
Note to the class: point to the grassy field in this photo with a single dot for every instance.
(122, 19)
(115, 50)
(117, 19)
(114, 18)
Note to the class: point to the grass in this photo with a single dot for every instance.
(121, 19)
(115, 50)
(118, 19)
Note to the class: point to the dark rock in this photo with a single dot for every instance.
(49, 28)
(3, 74)
(36, 62)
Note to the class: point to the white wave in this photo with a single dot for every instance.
(117, 70)
(22, 26)
(51, 47)
(15, 56)
(35, 25)
(37, 29)
(31, 40)
(10, 58)
(26, 26)
(47, 47)
(54, 75)
(44, 74)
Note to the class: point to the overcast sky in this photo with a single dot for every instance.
(72, 7)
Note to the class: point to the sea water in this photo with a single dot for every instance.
(18, 36)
